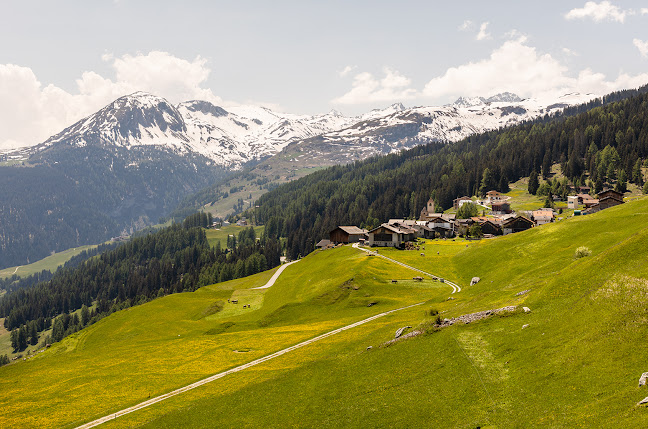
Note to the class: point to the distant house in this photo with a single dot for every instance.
(516, 224)
(347, 234)
(582, 198)
(422, 231)
(493, 197)
(501, 207)
(443, 225)
(489, 226)
(387, 235)
(225, 223)
(456, 203)
(542, 216)
(606, 199)
(242, 222)
(323, 244)
(572, 202)
(462, 226)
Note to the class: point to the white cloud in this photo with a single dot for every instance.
(603, 11)
(467, 25)
(366, 88)
(519, 68)
(642, 46)
(483, 34)
(31, 112)
(346, 70)
(514, 66)
(644, 11)
(569, 52)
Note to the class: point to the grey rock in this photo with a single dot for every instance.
(370, 347)
(523, 292)
(643, 379)
(474, 281)
(400, 331)
(525, 326)
(526, 309)
(643, 401)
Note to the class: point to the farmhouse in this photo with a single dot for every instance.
(516, 224)
(608, 198)
(456, 203)
(572, 202)
(542, 216)
(323, 244)
(489, 226)
(387, 235)
(493, 197)
(347, 234)
(501, 207)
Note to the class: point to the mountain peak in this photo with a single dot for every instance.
(504, 97)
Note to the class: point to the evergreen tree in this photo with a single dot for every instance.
(467, 210)
(85, 315)
(622, 183)
(33, 333)
(22, 337)
(637, 174)
(14, 340)
(533, 183)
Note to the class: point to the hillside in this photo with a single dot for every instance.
(600, 146)
(576, 364)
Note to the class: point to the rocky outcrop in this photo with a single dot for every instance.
(474, 281)
(643, 379)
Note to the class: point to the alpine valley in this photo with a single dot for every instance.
(140, 157)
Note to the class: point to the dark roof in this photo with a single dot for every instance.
(516, 218)
(352, 230)
(323, 243)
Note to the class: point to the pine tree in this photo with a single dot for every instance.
(533, 183)
(637, 174)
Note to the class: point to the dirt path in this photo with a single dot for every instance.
(275, 276)
(455, 287)
(176, 392)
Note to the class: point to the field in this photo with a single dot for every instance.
(220, 235)
(50, 263)
(573, 361)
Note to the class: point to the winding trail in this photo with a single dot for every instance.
(214, 377)
(275, 276)
(455, 287)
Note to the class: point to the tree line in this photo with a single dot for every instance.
(598, 142)
(174, 259)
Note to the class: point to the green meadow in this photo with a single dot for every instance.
(573, 361)
(220, 235)
(50, 263)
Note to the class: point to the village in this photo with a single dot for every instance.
(497, 219)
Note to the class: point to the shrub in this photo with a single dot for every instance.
(582, 252)
(434, 312)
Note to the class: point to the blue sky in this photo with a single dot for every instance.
(60, 61)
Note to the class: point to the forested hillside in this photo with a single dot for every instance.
(69, 196)
(174, 259)
(601, 142)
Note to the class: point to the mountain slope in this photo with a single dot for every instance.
(582, 351)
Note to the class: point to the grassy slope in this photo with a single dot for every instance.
(576, 365)
(50, 263)
(216, 235)
(175, 340)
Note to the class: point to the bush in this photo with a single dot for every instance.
(434, 312)
(582, 252)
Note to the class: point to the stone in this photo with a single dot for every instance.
(523, 292)
(526, 309)
(370, 347)
(643, 379)
(474, 281)
(400, 331)
(643, 401)
(525, 326)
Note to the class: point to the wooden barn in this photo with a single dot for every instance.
(387, 235)
(347, 234)
(516, 224)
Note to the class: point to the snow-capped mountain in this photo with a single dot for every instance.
(230, 137)
(397, 128)
(237, 135)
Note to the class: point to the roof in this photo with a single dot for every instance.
(585, 196)
(500, 204)
(548, 213)
(510, 221)
(492, 193)
(462, 198)
(323, 243)
(352, 230)
(482, 219)
(395, 228)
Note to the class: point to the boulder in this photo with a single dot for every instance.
(643, 379)
(400, 331)
(370, 347)
(643, 401)
(474, 281)
(525, 326)
(526, 309)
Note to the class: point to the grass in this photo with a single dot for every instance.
(178, 339)
(50, 263)
(575, 365)
(220, 235)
